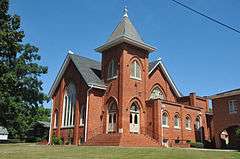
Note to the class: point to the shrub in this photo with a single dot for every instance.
(238, 132)
(57, 140)
(197, 144)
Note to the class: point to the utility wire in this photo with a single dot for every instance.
(206, 16)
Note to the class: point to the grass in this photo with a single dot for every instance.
(33, 151)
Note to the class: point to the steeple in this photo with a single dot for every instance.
(125, 32)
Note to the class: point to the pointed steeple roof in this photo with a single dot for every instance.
(125, 32)
(127, 29)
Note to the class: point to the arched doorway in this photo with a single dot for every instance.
(229, 138)
(134, 118)
(112, 118)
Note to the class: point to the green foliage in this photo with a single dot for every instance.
(57, 140)
(21, 95)
(197, 144)
(238, 132)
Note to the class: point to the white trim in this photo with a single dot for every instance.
(112, 78)
(126, 39)
(165, 126)
(60, 74)
(167, 75)
(86, 118)
(50, 131)
(136, 78)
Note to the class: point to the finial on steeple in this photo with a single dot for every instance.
(125, 12)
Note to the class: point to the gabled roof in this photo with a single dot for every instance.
(226, 94)
(3, 131)
(88, 68)
(125, 32)
(154, 64)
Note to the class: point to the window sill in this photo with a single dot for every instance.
(111, 78)
(235, 112)
(81, 125)
(177, 127)
(165, 126)
(135, 78)
(189, 129)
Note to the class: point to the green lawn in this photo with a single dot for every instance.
(25, 151)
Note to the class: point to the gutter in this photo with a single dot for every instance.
(86, 120)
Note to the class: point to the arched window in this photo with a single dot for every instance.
(165, 119)
(82, 115)
(112, 70)
(135, 70)
(156, 93)
(56, 119)
(176, 121)
(69, 106)
(197, 123)
(134, 118)
(112, 117)
(188, 123)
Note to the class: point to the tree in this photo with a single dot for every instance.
(21, 93)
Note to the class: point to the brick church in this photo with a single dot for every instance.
(124, 100)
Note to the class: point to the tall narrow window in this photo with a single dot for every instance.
(112, 70)
(197, 124)
(176, 121)
(56, 120)
(135, 70)
(156, 93)
(165, 119)
(69, 106)
(188, 123)
(82, 115)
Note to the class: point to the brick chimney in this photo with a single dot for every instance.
(192, 97)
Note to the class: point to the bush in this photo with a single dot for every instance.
(197, 145)
(57, 140)
(238, 132)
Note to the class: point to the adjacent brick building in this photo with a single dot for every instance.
(226, 118)
(124, 100)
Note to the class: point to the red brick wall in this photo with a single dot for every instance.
(222, 119)
(71, 75)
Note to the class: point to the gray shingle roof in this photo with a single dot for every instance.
(3, 131)
(44, 123)
(125, 28)
(89, 69)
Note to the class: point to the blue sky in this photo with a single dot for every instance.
(200, 55)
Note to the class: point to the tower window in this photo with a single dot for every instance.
(112, 70)
(135, 70)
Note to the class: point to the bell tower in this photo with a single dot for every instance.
(125, 70)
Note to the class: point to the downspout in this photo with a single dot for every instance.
(50, 129)
(86, 121)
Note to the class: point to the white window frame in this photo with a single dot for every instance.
(165, 125)
(188, 123)
(56, 123)
(232, 107)
(176, 117)
(112, 69)
(200, 125)
(69, 105)
(133, 74)
(83, 115)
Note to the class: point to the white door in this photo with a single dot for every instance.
(134, 122)
(112, 119)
